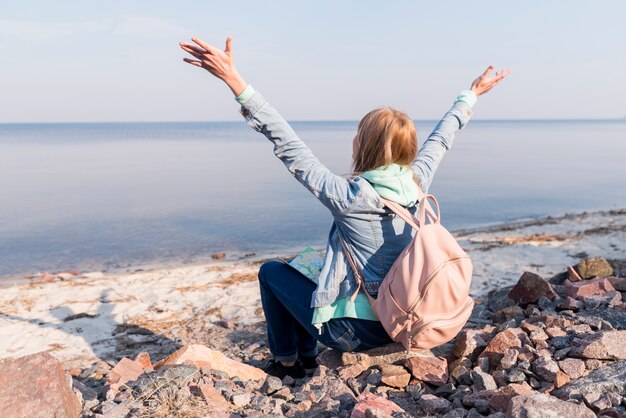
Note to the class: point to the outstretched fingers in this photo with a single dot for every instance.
(193, 62)
(208, 48)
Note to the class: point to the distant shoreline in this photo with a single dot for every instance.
(234, 257)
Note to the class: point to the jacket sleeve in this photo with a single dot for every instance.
(439, 141)
(333, 191)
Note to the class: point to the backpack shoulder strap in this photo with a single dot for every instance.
(356, 271)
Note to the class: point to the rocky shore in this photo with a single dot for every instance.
(547, 343)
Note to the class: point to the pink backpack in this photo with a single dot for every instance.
(423, 301)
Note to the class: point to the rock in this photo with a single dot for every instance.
(395, 376)
(126, 370)
(86, 393)
(36, 386)
(578, 290)
(362, 359)
(218, 256)
(607, 380)
(509, 359)
(538, 405)
(619, 283)
(601, 345)
(470, 342)
(500, 343)
(530, 288)
(353, 370)
(430, 369)
(299, 408)
(483, 381)
(214, 399)
(271, 385)
(202, 356)
(499, 299)
(509, 313)
(573, 275)
(241, 399)
(456, 413)
(143, 359)
(501, 397)
(329, 358)
(573, 367)
(570, 303)
(545, 368)
(374, 377)
(561, 379)
(434, 405)
(593, 267)
(368, 400)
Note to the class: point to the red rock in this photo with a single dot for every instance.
(36, 386)
(430, 369)
(619, 283)
(573, 367)
(368, 400)
(573, 274)
(502, 396)
(353, 370)
(601, 345)
(530, 288)
(202, 356)
(540, 405)
(213, 398)
(143, 359)
(126, 370)
(218, 256)
(584, 288)
(395, 376)
(510, 337)
(561, 379)
(45, 278)
(471, 342)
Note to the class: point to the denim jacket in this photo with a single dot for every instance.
(374, 235)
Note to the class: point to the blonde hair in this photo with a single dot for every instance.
(384, 136)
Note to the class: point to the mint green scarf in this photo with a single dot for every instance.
(393, 182)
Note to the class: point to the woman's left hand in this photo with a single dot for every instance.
(484, 82)
(220, 64)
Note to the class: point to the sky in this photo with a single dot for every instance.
(119, 61)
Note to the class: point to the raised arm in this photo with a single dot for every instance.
(440, 140)
(333, 191)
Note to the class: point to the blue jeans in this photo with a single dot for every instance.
(286, 298)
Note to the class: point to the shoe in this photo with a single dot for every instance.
(309, 364)
(278, 369)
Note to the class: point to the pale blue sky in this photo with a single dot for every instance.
(67, 61)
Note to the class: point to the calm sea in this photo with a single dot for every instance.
(107, 196)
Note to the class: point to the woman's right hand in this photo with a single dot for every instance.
(220, 64)
(484, 83)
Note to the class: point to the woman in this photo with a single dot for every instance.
(385, 163)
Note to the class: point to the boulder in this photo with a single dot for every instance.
(579, 290)
(545, 368)
(538, 405)
(530, 288)
(36, 386)
(434, 405)
(601, 345)
(619, 283)
(429, 369)
(593, 267)
(202, 356)
(604, 381)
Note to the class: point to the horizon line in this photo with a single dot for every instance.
(623, 119)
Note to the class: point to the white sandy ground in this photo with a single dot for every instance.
(31, 314)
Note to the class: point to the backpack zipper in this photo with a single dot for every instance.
(431, 278)
(454, 318)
